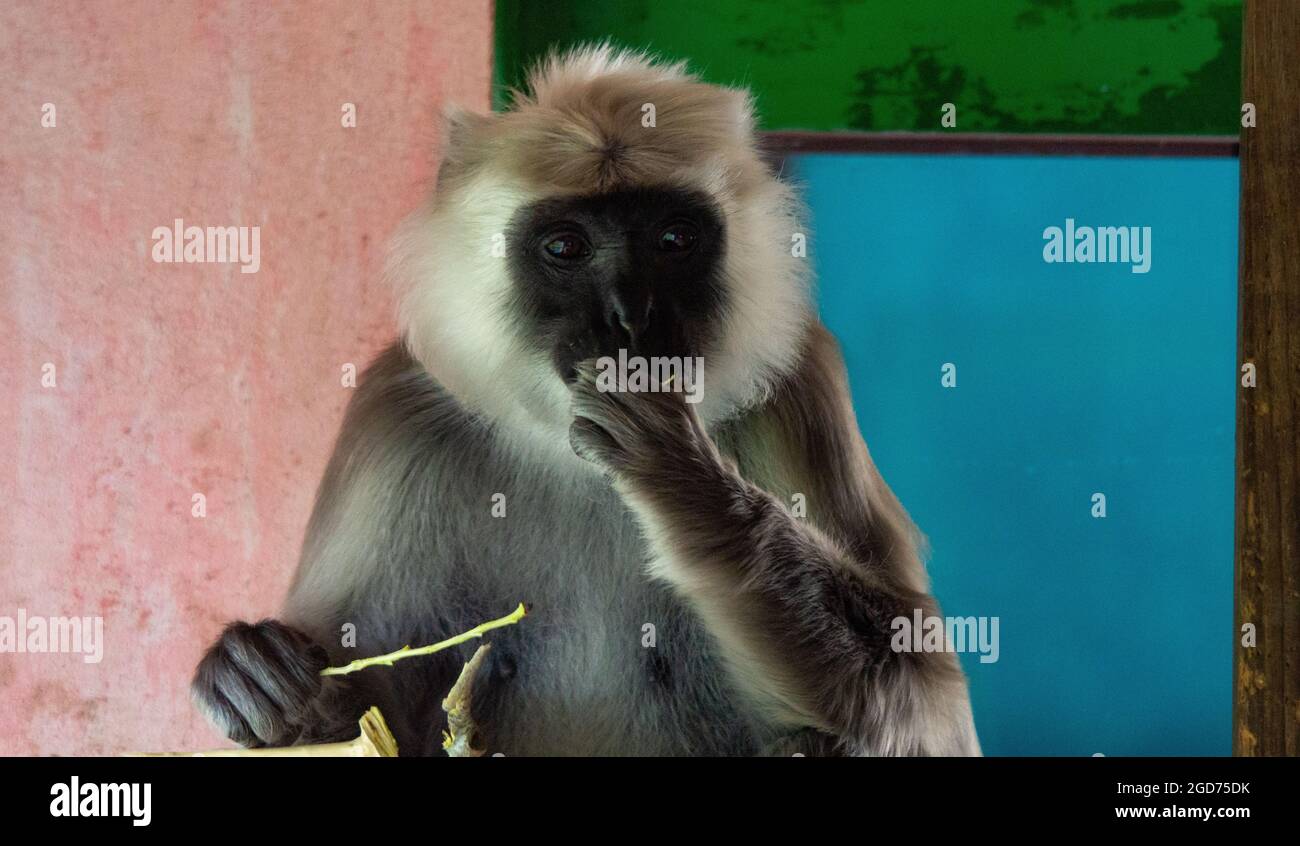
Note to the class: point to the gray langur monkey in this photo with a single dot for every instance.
(678, 606)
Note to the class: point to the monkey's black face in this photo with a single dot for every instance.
(639, 269)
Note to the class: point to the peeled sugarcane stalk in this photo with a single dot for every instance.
(461, 730)
(375, 740)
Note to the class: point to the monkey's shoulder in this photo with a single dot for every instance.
(396, 392)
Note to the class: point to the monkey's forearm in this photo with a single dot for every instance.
(806, 629)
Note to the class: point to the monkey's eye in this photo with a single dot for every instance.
(678, 238)
(567, 246)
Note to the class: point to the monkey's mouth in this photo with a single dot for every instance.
(666, 340)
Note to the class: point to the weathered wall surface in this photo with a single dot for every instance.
(130, 386)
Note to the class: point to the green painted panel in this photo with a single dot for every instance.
(1101, 66)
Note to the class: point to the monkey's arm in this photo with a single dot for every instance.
(801, 607)
(260, 683)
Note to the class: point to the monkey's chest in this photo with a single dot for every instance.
(609, 664)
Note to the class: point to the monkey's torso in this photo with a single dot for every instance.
(789, 558)
(427, 525)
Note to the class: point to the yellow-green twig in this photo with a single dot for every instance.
(407, 652)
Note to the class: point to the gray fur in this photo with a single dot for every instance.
(403, 544)
(772, 631)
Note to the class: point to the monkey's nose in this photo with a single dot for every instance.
(633, 317)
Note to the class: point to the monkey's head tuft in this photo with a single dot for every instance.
(620, 203)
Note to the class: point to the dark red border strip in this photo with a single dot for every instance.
(1000, 143)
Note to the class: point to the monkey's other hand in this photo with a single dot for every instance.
(259, 683)
(637, 434)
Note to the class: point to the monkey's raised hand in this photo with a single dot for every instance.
(259, 683)
(802, 612)
(632, 434)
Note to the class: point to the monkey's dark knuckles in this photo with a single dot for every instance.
(259, 681)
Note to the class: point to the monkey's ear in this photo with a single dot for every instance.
(740, 103)
(465, 136)
(462, 127)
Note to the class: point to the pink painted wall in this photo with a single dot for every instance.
(176, 379)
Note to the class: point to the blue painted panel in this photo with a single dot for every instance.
(1072, 379)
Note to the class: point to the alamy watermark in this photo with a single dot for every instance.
(1105, 244)
(920, 633)
(655, 374)
(93, 799)
(199, 245)
(34, 634)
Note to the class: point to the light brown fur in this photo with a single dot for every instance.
(579, 128)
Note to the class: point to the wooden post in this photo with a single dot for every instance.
(1266, 689)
